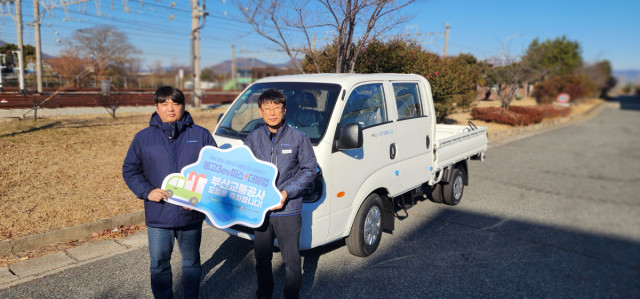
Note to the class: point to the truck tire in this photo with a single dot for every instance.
(452, 191)
(436, 193)
(193, 201)
(367, 228)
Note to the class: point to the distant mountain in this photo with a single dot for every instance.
(225, 66)
(631, 76)
(287, 65)
(245, 63)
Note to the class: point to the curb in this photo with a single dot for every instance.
(69, 234)
(30, 269)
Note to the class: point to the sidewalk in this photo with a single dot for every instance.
(26, 270)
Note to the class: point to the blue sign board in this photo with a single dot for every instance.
(230, 186)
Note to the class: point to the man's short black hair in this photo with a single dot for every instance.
(272, 95)
(168, 92)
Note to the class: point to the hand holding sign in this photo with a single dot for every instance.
(284, 197)
(158, 195)
(229, 186)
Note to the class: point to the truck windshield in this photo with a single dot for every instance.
(309, 106)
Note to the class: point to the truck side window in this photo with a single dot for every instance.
(407, 100)
(365, 106)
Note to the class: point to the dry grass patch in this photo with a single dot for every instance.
(64, 171)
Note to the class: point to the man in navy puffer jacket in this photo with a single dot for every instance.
(171, 142)
(291, 152)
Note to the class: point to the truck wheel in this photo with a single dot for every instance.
(436, 193)
(367, 227)
(193, 201)
(170, 193)
(452, 191)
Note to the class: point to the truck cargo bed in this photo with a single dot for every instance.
(455, 143)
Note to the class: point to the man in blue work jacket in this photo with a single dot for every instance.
(171, 142)
(291, 152)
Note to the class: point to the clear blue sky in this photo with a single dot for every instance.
(604, 29)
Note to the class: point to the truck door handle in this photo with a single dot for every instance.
(428, 142)
(392, 151)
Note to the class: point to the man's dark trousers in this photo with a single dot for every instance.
(287, 230)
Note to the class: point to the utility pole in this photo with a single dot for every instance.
(1, 66)
(446, 38)
(197, 12)
(20, 47)
(313, 48)
(36, 28)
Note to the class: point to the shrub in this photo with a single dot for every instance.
(577, 86)
(453, 81)
(532, 115)
(519, 115)
(498, 115)
(546, 91)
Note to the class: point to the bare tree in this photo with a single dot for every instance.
(111, 102)
(279, 23)
(509, 78)
(105, 45)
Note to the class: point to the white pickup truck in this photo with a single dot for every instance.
(377, 144)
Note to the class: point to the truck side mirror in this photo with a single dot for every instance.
(350, 137)
(220, 117)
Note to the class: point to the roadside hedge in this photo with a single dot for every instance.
(577, 86)
(519, 115)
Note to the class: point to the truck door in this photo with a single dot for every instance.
(350, 169)
(414, 143)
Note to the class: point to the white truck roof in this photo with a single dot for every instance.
(342, 79)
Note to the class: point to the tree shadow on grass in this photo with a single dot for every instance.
(79, 124)
(32, 129)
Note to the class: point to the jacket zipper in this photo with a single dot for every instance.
(273, 153)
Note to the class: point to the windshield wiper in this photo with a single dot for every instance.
(227, 128)
(230, 131)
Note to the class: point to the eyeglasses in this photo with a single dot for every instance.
(277, 109)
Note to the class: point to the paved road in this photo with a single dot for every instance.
(552, 215)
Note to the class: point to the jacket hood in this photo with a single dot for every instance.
(171, 129)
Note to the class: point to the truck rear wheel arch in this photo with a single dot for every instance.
(448, 172)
